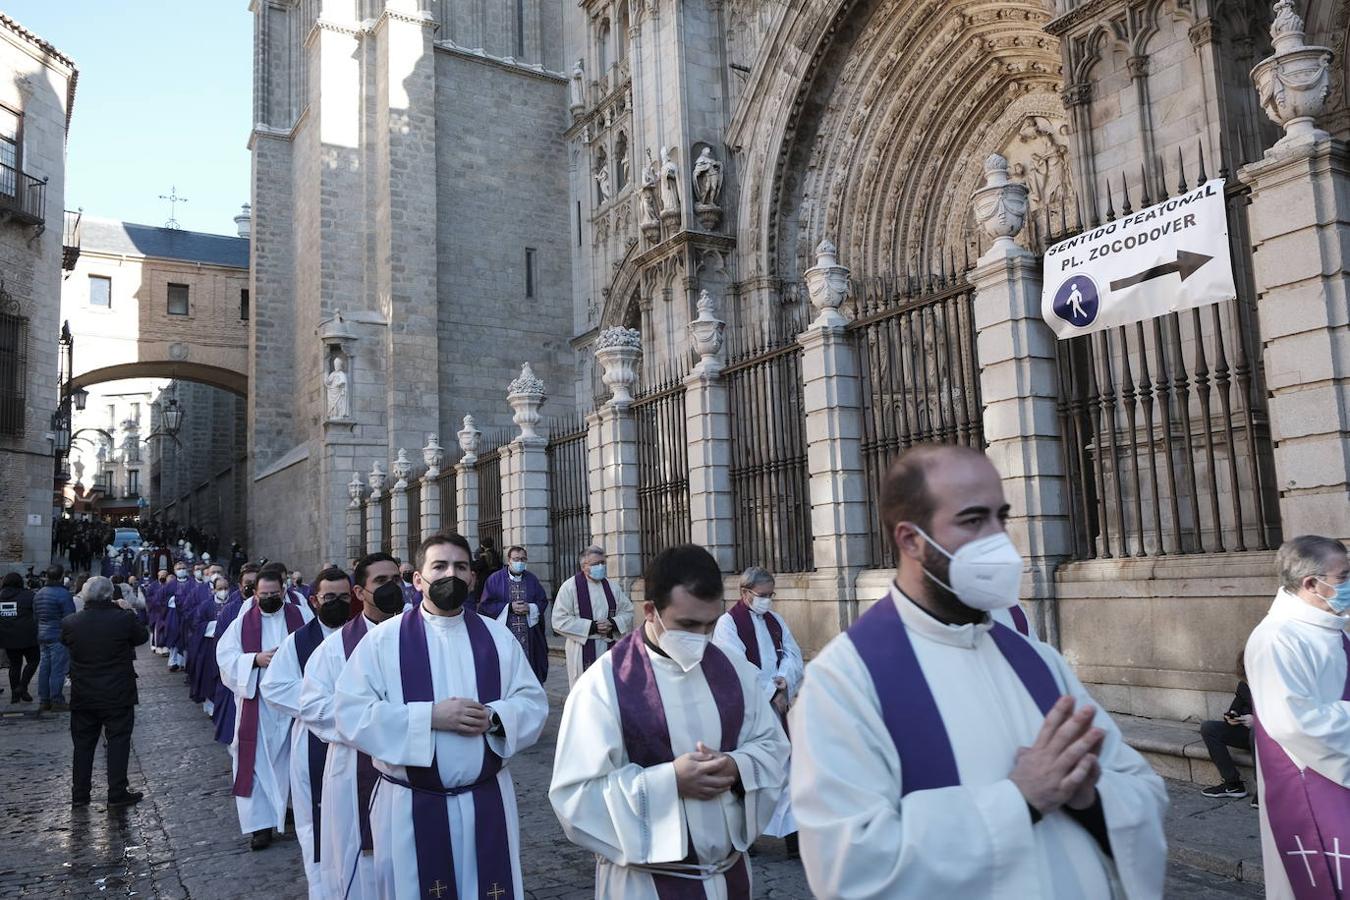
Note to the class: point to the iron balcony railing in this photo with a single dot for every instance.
(70, 239)
(23, 198)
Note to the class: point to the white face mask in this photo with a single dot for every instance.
(597, 572)
(683, 647)
(985, 574)
(760, 604)
(222, 595)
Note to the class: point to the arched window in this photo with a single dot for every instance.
(621, 173)
(602, 46)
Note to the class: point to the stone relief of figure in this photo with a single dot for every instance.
(339, 400)
(670, 183)
(602, 180)
(579, 85)
(1039, 157)
(707, 179)
(649, 209)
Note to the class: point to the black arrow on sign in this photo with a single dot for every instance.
(1186, 264)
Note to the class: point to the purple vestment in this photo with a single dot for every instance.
(250, 641)
(496, 597)
(584, 611)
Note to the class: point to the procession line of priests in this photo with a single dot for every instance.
(591, 613)
(441, 699)
(670, 760)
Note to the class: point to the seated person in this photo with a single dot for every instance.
(1234, 731)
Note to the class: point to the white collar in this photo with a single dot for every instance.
(514, 577)
(921, 622)
(1288, 605)
(444, 622)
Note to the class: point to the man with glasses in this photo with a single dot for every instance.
(331, 600)
(1297, 661)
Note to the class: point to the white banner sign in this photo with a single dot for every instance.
(1171, 256)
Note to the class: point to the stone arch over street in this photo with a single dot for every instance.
(236, 382)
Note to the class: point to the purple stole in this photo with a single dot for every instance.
(366, 774)
(646, 738)
(431, 820)
(250, 641)
(907, 705)
(584, 611)
(745, 630)
(1019, 618)
(1308, 815)
(307, 640)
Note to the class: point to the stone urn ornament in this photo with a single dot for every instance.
(709, 334)
(433, 455)
(827, 283)
(469, 436)
(355, 488)
(526, 395)
(1294, 82)
(376, 480)
(401, 470)
(1001, 205)
(618, 349)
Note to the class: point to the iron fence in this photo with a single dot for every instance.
(569, 499)
(13, 368)
(23, 196)
(449, 500)
(490, 494)
(1167, 443)
(365, 528)
(920, 375)
(770, 482)
(414, 519)
(663, 465)
(387, 523)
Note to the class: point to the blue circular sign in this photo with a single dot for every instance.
(1077, 301)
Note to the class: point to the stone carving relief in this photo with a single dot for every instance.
(1038, 156)
(650, 221)
(335, 386)
(578, 85)
(670, 185)
(707, 189)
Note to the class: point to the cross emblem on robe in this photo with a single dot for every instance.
(1300, 852)
(496, 893)
(440, 887)
(1336, 854)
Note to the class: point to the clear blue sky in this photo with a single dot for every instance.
(164, 99)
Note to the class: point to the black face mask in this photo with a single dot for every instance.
(271, 604)
(448, 593)
(335, 613)
(388, 598)
(246, 590)
(407, 577)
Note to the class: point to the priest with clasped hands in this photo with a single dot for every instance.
(938, 752)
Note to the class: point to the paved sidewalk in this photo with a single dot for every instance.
(183, 841)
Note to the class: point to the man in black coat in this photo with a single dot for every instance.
(102, 639)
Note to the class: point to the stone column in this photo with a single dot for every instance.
(833, 407)
(618, 350)
(466, 482)
(1300, 211)
(354, 549)
(708, 432)
(432, 456)
(529, 471)
(398, 499)
(507, 470)
(375, 510)
(1020, 389)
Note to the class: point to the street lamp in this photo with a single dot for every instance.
(60, 434)
(173, 417)
(81, 397)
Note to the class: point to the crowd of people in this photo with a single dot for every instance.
(381, 708)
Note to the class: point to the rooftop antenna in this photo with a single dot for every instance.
(174, 200)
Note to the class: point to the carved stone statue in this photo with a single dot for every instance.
(602, 180)
(670, 184)
(339, 400)
(579, 86)
(707, 179)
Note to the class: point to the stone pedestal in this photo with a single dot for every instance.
(398, 510)
(1019, 387)
(466, 494)
(616, 442)
(509, 456)
(530, 496)
(708, 430)
(375, 521)
(1299, 215)
(839, 518)
(431, 505)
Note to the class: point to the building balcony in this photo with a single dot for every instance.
(70, 240)
(23, 198)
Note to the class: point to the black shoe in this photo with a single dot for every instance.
(1256, 803)
(261, 840)
(62, 706)
(128, 799)
(173, 668)
(1231, 790)
(79, 801)
(45, 706)
(27, 697)
(792, 851)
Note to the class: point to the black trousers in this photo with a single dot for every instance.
(22, 664)
(85, 727)
(1218, 737)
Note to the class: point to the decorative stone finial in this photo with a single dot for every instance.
(1001, 205)
(526, 395)
(618, 349)
(355, 488)
(401, 469)
(827, 283)
(708, 332)
(376, 479)
(469, 436)
(1294, 82)
(433, 455)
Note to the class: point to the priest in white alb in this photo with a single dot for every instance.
(261, 748)
(591, 612)
(939, 753)
(670, 760)
(346, 840)
(330, 599)
(1298, 666)
(441, 699)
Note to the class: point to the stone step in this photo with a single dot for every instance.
(1175, 749)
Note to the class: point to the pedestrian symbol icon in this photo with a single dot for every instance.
(1076, 301)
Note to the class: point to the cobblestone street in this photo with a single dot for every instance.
(183, 840)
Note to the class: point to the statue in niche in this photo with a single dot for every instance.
(339, 399)
(1039, 157)
(602, 181)
(670, 183)
(578, 83)
(707, 179)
